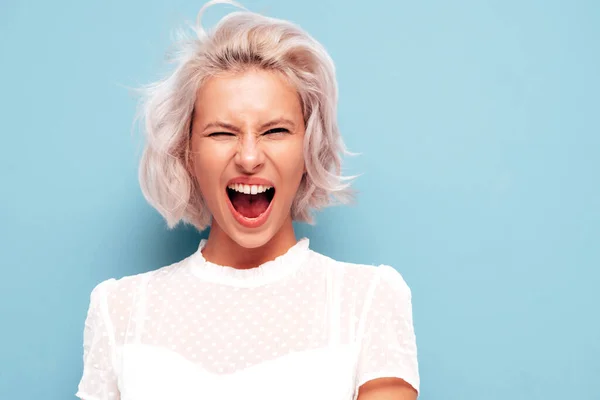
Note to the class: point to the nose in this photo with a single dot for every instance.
(250, 156)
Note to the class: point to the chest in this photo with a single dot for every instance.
(153, 373)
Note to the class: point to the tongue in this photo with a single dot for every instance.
(250, 205)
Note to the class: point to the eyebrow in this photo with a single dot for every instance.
(278, 121)
(218, 125)
(270, 124)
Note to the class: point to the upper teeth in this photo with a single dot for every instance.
(249, 189)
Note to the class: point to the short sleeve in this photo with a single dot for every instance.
(99, 380)
(388, 345)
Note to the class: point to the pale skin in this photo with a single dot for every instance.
(251, 124)
(247, 125)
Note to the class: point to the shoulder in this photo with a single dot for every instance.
(384, 273)
(365, 280)
(118, 293)
(113, 287)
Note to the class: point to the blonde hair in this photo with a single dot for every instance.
(240, 40)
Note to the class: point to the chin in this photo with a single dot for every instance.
(251, 240)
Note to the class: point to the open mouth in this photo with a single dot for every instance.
(250, 201)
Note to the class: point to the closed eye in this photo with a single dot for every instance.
(220, 134)
(276, 131)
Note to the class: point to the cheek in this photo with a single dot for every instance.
(299, 160)
(299, 166)
(291, 163)
(208, 166)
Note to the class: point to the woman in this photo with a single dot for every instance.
(242, 137)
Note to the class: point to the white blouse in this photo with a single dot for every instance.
(302, 326)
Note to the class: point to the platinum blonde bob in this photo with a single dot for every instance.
(241, 40)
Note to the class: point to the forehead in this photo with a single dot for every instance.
(253, 94)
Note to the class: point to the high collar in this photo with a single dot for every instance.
(268, 272)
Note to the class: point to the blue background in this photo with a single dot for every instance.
(478, 124)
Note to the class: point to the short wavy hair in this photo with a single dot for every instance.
(241, 40)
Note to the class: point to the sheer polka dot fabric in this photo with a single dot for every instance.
(199, 330)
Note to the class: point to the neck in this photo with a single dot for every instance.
(221, 249)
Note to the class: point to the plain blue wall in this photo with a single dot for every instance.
(478, 124)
